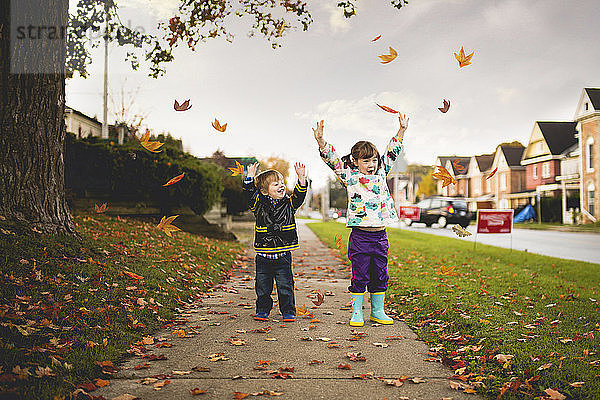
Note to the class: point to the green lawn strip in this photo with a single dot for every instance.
(544, 226)
(471, 305)
(66, 303)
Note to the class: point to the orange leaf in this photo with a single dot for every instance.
(217, 125)
(183, 107)
(197, 391)
(462, 59)
(344, 366)
(443, 175)
(376, 38)
(386, 58)
(174, 180)
(132, 275)
(301, 310)
(492, 173)
(100, 209)
(264, 362)
(446, 106)
(165, 225)
(238, 170)
(386, 108)
(240, 395)
(101, 382)
(150, 146)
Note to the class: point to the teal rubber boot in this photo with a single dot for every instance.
(357, 306)
(377, 313)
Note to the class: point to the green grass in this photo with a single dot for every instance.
(472, 305)
(67, 303)
(556, 226)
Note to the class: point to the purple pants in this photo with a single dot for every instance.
(368, 253)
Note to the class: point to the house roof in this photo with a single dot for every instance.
(594, 95)
(458, 163)
(513, 154)
(74, 111)
(558, 135)
(484, 161)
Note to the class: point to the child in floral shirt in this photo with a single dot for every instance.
(370, 208)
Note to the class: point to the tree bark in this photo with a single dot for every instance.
(32, 127)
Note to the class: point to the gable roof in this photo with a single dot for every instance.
(558, 135)
(513, 154)
(484, 161)
(74, 111)
(594, 95)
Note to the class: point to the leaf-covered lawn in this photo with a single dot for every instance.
(510, 324)
(67, 306)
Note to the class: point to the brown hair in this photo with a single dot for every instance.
(362, 149)
(265, 178)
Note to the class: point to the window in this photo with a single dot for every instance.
(546, 170)
(589, 154)
(591, 193)
(535, 171)
(79, 132)
(503, 181)
(586, 106)
(540, 147)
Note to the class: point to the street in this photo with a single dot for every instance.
(569, 245)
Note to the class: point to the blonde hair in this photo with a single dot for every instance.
(265, 178)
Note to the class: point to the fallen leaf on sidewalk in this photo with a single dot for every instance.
(396, 382)
(314, 362)
(355, 357)
(344, 366)
(217, 357)
(240, 395)
(319, 300)
(384, 345)
(236, 341)
(418, 380)
(126, 396)
(301, 310)
(175, 372)
(201, 369)
(197, 391)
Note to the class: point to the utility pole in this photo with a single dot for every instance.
(105, 94)
(325, 202)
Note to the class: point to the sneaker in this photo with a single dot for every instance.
(289, 317)
(261, 316)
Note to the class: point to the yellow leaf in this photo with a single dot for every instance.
(443, 175)
(386, 58)
(217, 125)
(462, 59)
(238, 170)
(165, 225)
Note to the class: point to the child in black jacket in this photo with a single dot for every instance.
(275, 237)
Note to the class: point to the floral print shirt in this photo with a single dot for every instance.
(369, 200)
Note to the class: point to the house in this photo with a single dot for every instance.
(551, 161)
(509, 180)
(587, 120)
(480, 190)
(81, 125)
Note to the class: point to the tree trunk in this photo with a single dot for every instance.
(32, 127)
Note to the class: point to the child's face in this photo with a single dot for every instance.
(367, 166)
(276, 190)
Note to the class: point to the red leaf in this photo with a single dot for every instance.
(386, 108)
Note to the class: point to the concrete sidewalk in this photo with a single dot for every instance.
(304, 355)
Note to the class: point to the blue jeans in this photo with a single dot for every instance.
(280, 270)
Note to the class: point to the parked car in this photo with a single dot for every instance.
(443, 211)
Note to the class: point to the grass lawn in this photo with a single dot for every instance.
(508, 323)
(66, 305)
(593, 228)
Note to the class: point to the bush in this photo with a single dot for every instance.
(130, 172)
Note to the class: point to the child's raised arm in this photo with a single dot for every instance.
(299, 194)
(394, 148)
(329, 156)
(249, 187)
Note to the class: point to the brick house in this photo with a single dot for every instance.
(480, 191)
(587, 120)
(509, 180)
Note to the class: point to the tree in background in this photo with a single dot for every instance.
(338, 197)
(278, 164)
(427, 185)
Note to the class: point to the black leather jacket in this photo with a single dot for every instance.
(275, 229)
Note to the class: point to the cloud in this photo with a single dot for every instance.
(161, 9)
(506, 95)
(337, 22)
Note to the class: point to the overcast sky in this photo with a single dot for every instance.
(532, 59)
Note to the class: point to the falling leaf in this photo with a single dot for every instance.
(132, 275)
(386, 58)
(446, 106)
(174, 180)
(458, 166)
(462, 59)
(183, 107)
(150, 146)
(388, 109)
(319, 300)
(197, 391)
(238, 170)
(100, 209)
(492, 173)
(554, 395)
(301, 310)
(460, 231)
(165, 225)
(376, 38)
(443, 175)
(217, 125)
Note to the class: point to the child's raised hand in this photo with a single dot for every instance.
(403, 121)
(301, 172)
(319, 134)
(251, 169)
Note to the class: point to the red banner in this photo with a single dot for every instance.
(410, 212)
(494, 221)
